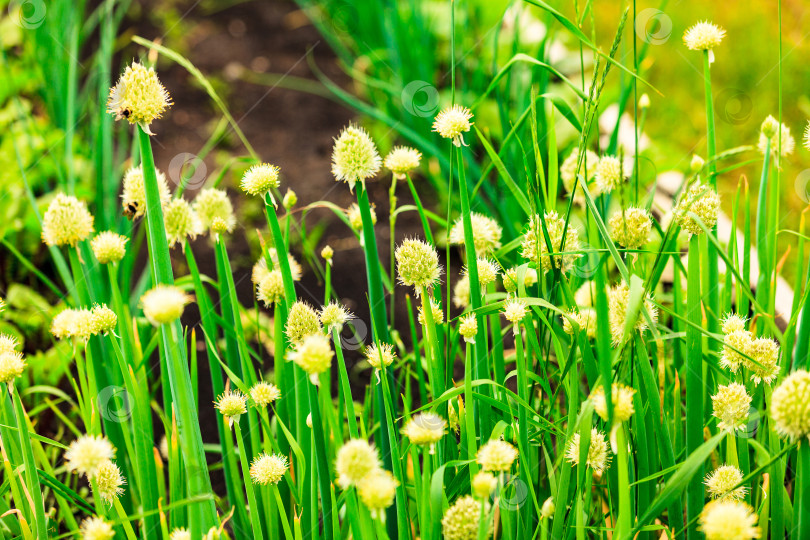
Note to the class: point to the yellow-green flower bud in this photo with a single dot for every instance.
(66, 222)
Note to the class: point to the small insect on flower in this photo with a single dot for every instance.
(563, 254)
(66, 222)
(260, 179)
(302, 321)
(460, 522)
(12, 365)
(181, 222)
(790, 408)
(725, 519)
(452, 123)
(483, 484)
(109, 481)
(468, 328)
(231, 405)
(377, 490)
(211, 203)
(496, 456)
(425, 429)
(382, 356)
(334, 315)
(703, 202)
(355, 459)
(95, 528)
(133, 195)
(164, 304)
(401, 160)
(724, 483)
(703, 36)
(268, 469)
(313, 354)
(486, 233)
(138, 97)
(87, 453)
(621, 398)
(630, 227)
(598, 457)
(417, 264)
(778, 135)
(731, 404)
(263, 393)
(109, 247)
(354, 156)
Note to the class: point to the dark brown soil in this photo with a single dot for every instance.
(291, 129)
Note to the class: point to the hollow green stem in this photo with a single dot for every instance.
(694, 383)
(241, 443)
(713, 292)
(421, 210)
(322, 463)
(125, 522)
(624, 522)
(285, 524)
(469, 415)
(203, 513)
(31, 476)
(482, 362)
(345, 387)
